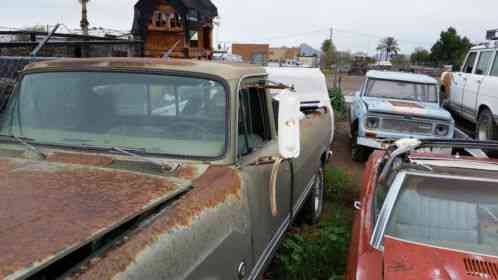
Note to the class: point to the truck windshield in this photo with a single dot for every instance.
(449, 213)
(402, 90)
(157, 114)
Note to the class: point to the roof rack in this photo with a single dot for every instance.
(492, 34)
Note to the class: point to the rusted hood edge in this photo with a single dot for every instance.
(38, 266)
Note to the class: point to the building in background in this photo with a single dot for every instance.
(283, 54)
(183, 26)
(252, 53)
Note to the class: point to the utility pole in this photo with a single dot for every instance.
(331, 33)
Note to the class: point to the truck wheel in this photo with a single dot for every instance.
(314, 203)
(358, 152)
(486, 127)
(486, 130)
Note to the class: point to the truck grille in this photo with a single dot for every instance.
(407, 126)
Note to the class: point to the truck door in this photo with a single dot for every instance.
(474, 83)
(460, 80)
(257, 144)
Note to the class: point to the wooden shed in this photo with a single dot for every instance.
(185, 26)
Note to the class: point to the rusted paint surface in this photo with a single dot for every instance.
(108, 63)
(186, 172)
(406, 104)
(215, 187)
(80, 158)
(46, 207)
(404, 260)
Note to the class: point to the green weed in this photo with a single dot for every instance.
(319, 252)
(338, 103)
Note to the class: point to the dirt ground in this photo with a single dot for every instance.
(342, 155)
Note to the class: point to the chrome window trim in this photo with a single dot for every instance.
(385, 212)
(377, 238)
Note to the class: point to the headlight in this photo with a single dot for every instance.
(442, 130)
(372, 122)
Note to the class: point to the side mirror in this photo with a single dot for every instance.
(289, 115)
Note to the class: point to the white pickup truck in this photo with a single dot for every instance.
(474, 90)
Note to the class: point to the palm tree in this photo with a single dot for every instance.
(389, 46)
(84, 16)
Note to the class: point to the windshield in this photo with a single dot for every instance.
(158, 114)
(450, 213)
(401, 90)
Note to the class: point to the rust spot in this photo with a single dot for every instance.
(186, 172)
(82, 159)
(45, 208)
(405, 104)
(214, 187)
(108, 63)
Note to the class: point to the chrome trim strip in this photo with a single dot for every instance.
(267, 253)
(302, 198)
(441, 248)
(385, 212)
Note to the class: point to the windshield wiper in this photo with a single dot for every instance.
(134, 152)
(23, 141)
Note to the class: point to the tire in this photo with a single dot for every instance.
(486, 129)
(313, 206)
(358, 153)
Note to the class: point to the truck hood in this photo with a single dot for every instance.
(49, 209)
(410, 108)
(405, 260)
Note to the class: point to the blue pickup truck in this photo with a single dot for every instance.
(393, 105)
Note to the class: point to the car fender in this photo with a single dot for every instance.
(204, 234)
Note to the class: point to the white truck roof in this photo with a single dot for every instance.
(401, 76)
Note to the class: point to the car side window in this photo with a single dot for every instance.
(254, 128)
(494, 69)
(380, 195)
(469, 65)
(484, 63)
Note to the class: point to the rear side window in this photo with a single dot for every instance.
(484, 62)
(469, 65)
(494, 69)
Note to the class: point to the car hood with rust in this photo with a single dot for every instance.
(406, 260)
(408, 108)
(50, 208)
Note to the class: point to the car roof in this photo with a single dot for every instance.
(401, 76)
(225, 70)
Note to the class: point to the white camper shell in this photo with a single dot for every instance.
(310, 87)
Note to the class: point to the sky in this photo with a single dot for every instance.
(358, 25)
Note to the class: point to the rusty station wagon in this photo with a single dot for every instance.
(153, 169)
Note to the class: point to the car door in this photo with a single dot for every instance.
(474, 83)
(488, 93)
(460, 80)
(257, 150)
